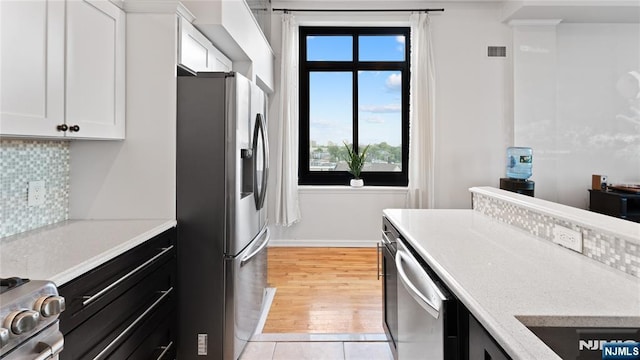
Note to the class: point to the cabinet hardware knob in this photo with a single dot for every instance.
(74, 128)
(62, 127)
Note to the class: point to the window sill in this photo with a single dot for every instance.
(343, 189)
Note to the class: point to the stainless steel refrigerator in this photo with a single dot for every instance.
(222, 171)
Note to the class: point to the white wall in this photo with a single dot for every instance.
(591, 128)
(473, 125)
(340, 216)
(135, 178)
(473, 101)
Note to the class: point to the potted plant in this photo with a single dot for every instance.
(355, 161)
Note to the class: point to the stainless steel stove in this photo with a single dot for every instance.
(29, 311)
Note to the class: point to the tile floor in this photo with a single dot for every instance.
(317, 347)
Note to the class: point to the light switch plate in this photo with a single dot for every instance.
(35, 193)
(568, 238)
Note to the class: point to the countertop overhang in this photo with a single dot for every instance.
(68, 249)
(505, 277)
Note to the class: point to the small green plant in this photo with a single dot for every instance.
(355, 161)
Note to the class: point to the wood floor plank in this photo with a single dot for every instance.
(324, 290)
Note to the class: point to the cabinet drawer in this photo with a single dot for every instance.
(93, 291)
(155, 339)
(115, 322)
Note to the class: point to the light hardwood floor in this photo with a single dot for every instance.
(324, 290)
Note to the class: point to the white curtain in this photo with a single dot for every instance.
(287, 209)
(422, 115)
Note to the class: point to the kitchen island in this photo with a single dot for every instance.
(509, 279)
(68, 249)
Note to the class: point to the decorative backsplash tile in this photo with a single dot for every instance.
(603, 247)
(22, 161)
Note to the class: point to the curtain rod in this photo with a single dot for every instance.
(357, 10)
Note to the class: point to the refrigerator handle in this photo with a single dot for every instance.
(260, 131)
(265, 143)
(267, 236)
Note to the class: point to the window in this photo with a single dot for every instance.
(354, 90)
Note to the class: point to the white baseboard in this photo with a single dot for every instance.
(322, 243)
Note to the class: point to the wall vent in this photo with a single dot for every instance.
(497, 51)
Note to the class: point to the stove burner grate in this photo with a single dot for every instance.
(10, 283)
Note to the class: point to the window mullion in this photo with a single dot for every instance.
(354, 96)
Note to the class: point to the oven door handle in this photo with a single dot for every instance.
(431, 306)
(50, 346)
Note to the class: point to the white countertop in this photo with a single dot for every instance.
(66, 250)
(501, 273)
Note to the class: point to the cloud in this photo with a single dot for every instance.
(394, 82)
(374, 119)
(381, 109)
(322, 123)
(400, 39)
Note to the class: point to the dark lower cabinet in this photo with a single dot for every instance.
(125, 308)
(481, 344)
(619, 204)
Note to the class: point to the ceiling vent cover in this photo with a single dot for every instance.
(497, 51)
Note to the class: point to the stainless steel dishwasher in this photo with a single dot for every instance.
(428, 321)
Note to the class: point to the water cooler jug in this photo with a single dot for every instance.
(519, 170)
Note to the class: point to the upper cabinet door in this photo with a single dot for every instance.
(95, 70)
(196, 52)
(32, 70)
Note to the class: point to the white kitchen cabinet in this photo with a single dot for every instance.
(32, 70)
(63, 69)
(196, 52)
(95, 63)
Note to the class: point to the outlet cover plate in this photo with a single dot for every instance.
(35, 193)
(568, 238)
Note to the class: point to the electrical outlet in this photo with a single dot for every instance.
(203, 340)
(568, 238)
(35, 193)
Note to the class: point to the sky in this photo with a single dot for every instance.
(379, 91)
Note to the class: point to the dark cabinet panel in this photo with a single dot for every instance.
(481, 344)
(613, 203)
(124, 308)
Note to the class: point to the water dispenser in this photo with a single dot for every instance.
(519, 169)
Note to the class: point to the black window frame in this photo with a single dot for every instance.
(376, 178)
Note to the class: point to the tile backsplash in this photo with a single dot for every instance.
(604, 247)
(22, 161)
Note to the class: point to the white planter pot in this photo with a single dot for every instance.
(357, 183)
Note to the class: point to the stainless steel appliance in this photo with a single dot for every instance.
(427, 319)
(29, 313)
(222, 171)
